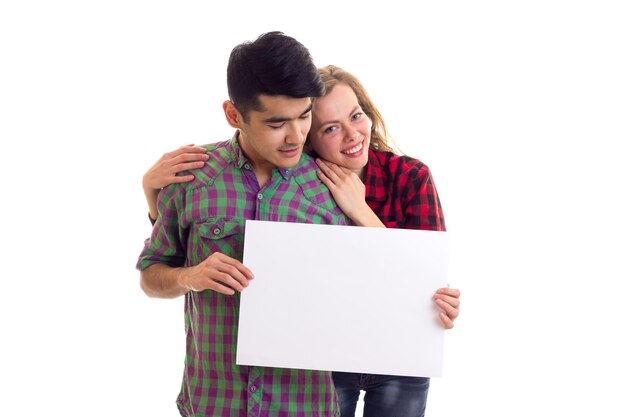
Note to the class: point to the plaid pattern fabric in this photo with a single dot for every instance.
(401, 191)
(205, 216)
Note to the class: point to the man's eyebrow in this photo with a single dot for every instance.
(308, 109)
(279, 119)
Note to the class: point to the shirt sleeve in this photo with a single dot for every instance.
(422, 207)
(165, 244)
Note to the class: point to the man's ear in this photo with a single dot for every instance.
(233, 117)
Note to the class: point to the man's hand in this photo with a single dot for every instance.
(218, 272)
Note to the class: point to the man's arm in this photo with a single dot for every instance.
(218, 272)
(161, 281)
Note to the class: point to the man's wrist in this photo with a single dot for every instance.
(181, 279)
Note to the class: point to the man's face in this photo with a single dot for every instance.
(274, 137)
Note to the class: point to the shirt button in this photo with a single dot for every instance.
(217, 231)
(259, 196)
(253, 388)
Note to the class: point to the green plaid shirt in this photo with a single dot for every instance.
(205, 216)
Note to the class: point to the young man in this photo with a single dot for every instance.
(196, 245)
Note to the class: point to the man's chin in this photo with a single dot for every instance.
(289, 158)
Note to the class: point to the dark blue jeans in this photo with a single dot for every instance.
(385, 395)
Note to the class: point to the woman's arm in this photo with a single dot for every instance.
(164, 171)
(424, 212)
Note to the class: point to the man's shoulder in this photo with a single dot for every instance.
(305, 174)
(220, 154)
(219, 149)
(220, 157)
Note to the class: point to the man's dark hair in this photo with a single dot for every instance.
(274, 64)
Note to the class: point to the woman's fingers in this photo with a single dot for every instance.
(326, 169)
(325, 180)
(448, 302)
(165, 170)
(445, 321)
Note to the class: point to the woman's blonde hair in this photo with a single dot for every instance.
(331, 76)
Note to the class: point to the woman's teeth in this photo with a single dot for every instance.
(354, 149)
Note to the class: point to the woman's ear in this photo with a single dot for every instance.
(233, 117)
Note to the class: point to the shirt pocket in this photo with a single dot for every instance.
(218, 234)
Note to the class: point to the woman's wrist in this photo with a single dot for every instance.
(364, 216)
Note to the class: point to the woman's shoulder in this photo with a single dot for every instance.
(398, 164)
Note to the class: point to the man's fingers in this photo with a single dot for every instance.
(235, 263)
(236, 279)
(223, 274)
(221, 282)
(219, 287)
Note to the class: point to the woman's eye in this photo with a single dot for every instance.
(357, 116)
(330, 129)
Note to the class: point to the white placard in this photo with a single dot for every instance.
(342, 298)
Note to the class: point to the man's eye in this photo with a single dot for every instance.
(276, 126)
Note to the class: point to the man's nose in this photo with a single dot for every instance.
(294, 134)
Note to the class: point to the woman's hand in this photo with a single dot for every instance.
(349, 193)
(448, 302)
(164, 171)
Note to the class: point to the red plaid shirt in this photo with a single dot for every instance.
(401, 191)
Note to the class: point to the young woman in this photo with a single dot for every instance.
(374, 187)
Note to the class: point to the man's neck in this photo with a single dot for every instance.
(262, 169)
(263, 175)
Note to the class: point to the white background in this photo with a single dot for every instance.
(518, 108)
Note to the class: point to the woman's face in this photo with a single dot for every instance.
(340, 130)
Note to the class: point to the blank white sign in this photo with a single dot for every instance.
(342, 298)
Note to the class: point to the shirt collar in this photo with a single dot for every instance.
(240, 161)
(236, 154)
(374, 179)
